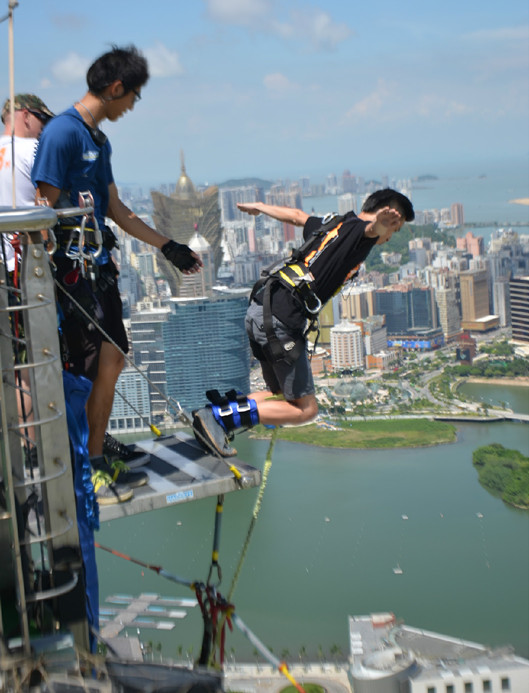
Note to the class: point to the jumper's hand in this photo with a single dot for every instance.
(249, 207)
(386, 222)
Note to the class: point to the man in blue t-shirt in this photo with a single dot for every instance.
(74, 156)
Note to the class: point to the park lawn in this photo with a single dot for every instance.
(400, 433)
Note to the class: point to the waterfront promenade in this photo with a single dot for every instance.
(252, 678)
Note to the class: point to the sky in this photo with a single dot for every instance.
(291, 88)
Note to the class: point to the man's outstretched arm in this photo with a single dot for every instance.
(180, 255)
(290, 215)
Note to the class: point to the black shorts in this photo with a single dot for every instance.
(294, 378)
(79, 335)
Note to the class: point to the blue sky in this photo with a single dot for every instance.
(286, 88)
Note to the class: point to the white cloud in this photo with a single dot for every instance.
(277, 83)
(71, 68)
(439, 107)
(162, 61)
(313, 27)
(372, 104)
(241, 12)
(317, 27)
(514, 33)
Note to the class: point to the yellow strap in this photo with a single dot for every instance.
(286, 278)
(236, 473)
(284, 670)
(297, 269)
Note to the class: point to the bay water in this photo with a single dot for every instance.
(332, 527)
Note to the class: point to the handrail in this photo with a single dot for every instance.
(27, 218)
(36, 218)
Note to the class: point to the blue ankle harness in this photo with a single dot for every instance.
(233, 410)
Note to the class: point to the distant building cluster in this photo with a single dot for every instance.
(179, 323)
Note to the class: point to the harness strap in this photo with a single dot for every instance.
(276, 348)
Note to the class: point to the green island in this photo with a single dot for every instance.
(401, 433)
(504, 473)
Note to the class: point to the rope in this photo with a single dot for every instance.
(156, 568)
(257, 507)
(280, 666)
(153, 428)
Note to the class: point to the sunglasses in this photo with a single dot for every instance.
(137, 95)
(40, 116)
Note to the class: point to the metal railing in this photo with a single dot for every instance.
(39, 540)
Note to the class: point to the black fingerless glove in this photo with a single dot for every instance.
(179, 255)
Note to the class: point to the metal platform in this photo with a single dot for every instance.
(180, 471)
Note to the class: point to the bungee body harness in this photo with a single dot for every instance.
(295, 275)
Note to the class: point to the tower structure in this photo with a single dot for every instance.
(148, 352)
(347, 349)
(177, 214)
(201, 283)
(475, 313)
(205, 347)
(519, 297)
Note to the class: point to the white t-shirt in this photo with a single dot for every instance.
(25, 148)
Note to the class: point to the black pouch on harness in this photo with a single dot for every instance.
(290, 351)
(77, 287)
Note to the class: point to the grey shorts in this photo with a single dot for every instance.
(293, 380)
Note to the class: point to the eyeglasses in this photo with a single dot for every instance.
(41, 116)
(137, 95)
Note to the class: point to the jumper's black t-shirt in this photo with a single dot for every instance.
(335, 260)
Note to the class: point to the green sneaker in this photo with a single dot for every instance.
(119, 472)
(107, 492)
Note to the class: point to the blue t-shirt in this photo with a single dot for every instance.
(68, 158)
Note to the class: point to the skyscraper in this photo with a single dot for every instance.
(448, 307)
(407, 308)
(475, 311)
(177, 215)
(457, 214)
(519, 289)
(148, 351)
(347, 348)
(206, 347)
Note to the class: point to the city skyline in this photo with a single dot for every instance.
(257, 87)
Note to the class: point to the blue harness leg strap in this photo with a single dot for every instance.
(233, 410)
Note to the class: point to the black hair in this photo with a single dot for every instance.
(386, 198)
(125, 64)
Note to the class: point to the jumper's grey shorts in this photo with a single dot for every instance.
(293, 380)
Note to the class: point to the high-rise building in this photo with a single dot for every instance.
(374, 334)
(358, 301)
(475, 311)
(206, 347)
(347, 349)
(200, 283)
(448, 307)
(457, 214)
(519, 290)
(146, 327)
(407, 308)
(131, 411)
(475, 245)
(178, 216)
(501, 300)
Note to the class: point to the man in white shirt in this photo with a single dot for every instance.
(19, 143)
(31, 114)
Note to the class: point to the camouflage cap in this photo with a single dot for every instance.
(29, 101)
